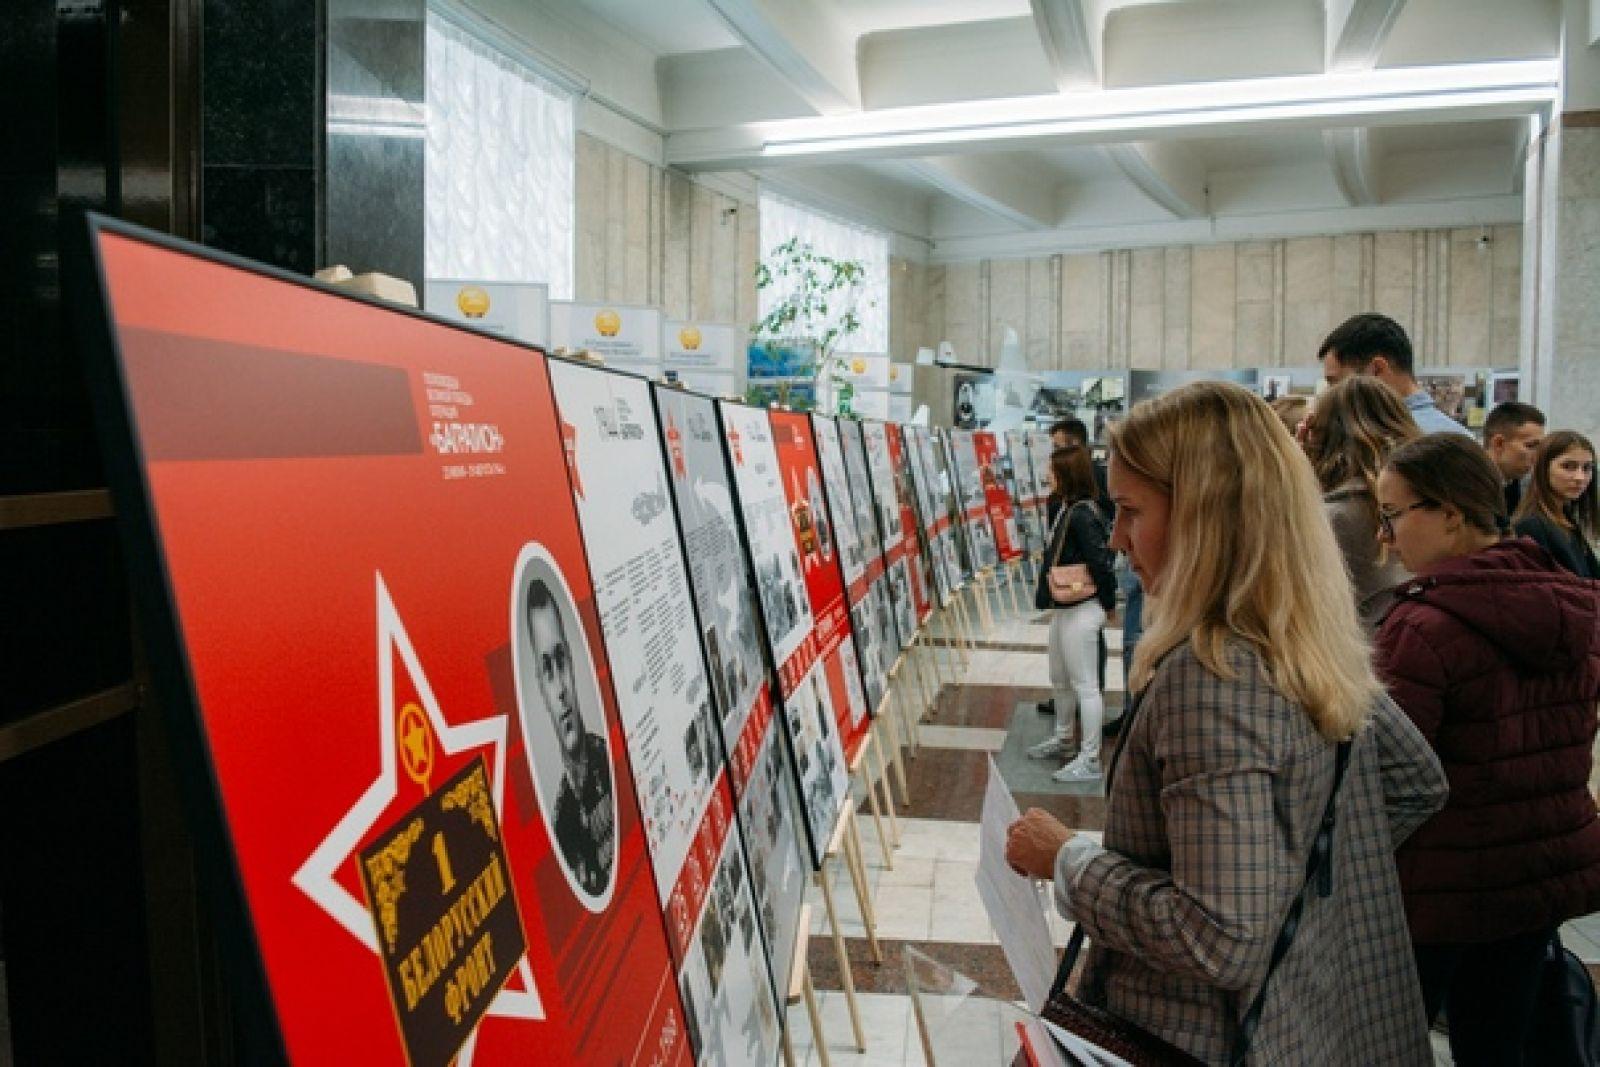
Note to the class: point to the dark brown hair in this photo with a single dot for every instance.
(1073, 473)
(1542, 498)
(1509, 417)
(1450, 468)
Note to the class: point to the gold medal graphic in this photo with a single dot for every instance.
(416, 745)
(608, 323)
(689, 338)
(473, 302)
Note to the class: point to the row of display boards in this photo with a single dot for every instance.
(518, 694)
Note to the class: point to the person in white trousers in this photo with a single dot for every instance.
(1077, 536)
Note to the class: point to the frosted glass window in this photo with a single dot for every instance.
(782, 219)
(498, 167)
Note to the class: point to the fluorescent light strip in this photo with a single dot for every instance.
(1337, 94)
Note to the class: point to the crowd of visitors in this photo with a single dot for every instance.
(1352, 795)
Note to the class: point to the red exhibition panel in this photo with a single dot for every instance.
(817, 542)
(373, 560)
(900, 460)
(997, 496)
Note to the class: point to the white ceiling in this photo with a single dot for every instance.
(735, 77)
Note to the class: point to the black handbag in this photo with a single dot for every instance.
(1566, 1021)
(1144, 1049)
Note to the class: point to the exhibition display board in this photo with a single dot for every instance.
(916, 559)
(945, 472)
(1018, 468)
(898, 542)
(816, 537)
(974, 501)
(934, 507)
(865, 588)
(719, 572)
(996, 496)
(808, 691)
(372, 626)
(877, 567)
(1039, 449)
(648, 619)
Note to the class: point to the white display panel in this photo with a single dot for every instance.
(936, 514)
(520, 311)
(878, 603)
(1023, 495)
(974, 505)
(880, 472)
(647, 619)
(808, 707)
(702, 346)
(628, 337)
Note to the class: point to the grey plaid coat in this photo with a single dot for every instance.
(1213, 808)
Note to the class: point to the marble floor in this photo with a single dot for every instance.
(927, 905)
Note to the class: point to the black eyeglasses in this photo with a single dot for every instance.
(1386, 518)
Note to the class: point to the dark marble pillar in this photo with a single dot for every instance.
(375, 136)
(261, 130)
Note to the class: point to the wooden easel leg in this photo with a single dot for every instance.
(816, 1020)
(865, 772)
(888, 795)
(846, 979)
(858, 875)
(891, 723)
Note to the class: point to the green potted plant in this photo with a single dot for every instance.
(817, 301)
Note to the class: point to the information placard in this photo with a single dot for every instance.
(997, 496)
(647, 614)
(719, 572)
(338, 515)
(1018, 468)
(877, 574)
(934, 485)
(516, 310)
(628, 337)
(804, 686)
(916, 558)
(973, 499)
(863, 578)
(891, 525)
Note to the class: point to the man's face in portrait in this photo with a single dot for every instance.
(552, 665)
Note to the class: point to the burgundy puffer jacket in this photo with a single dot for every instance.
(1496, 657)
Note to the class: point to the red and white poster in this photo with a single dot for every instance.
(878, 603)
(897, 539)
(996, 495)
(974, 500)
(1018, 466)
(1039, 449)
(647, 616)
(719, 572)
(809, 692)
(381, 633)
(916, 561)
(817, 536)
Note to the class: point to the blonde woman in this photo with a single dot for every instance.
(1255, 720)
(1355, 426)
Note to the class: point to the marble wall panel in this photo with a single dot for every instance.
(1309, 286)
(1213, 309)
(1043, 338)
(1084, 307)
(1008, 305)
(1147, 308)
(1175, 308)
(965, 296)
(1470, 298)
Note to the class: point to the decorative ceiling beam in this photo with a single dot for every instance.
(1165, 171)
(1354, 169)
(803, 42)
(993, 185)
(1071, 36)
(1357, 30)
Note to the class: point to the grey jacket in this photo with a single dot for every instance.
(1214, 804)
(1353, 514)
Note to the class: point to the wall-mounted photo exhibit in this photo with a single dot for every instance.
(805, 689)
(1039, 448)
(707, 357)
(917, 563)
(619, 483)
(519, 311)
(996, 495)
(1144, 384)
(974, 500)
(863, 578)
(1017, 465)
(730, 633)
(816, 534)
(374, 631)
(898, 542)
(944, 458)
(878, 593)
(1095, 398)
(938, 527)
(626, 337)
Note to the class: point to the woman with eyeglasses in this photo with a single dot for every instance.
(1356, 424)
(1244, 900)
(1561, 511)
(1494, 653)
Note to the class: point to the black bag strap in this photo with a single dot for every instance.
(1319, 869)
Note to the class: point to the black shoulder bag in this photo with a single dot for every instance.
(1142, 1048)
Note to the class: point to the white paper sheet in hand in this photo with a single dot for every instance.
(1082, 1051)
(1013, 903)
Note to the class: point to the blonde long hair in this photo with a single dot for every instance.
(1250, 555)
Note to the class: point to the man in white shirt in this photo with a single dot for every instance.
(1375, 344)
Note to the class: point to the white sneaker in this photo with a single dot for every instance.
(1053, 748)
(1081, 769)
